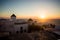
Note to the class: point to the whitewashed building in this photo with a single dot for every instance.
(19, 25)
(14, 25)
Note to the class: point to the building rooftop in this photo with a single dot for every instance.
(13, 15)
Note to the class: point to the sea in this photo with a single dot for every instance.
(52, 21)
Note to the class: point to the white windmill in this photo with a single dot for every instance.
(13, 16)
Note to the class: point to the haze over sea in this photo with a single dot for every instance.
(51, 21)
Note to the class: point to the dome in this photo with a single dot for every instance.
(30, 20)
(13, 15)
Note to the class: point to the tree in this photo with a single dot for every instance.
(34, 27)
(30, 19)
(52, 25)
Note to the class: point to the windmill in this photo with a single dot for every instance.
(13, 17)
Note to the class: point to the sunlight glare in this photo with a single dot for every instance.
(42, 16)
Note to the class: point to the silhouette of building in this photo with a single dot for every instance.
(13, 17)
(14, 25)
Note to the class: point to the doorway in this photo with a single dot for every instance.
(21, 29)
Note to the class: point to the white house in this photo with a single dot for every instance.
(19, 25)
(14, 25)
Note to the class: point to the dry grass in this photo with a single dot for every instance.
(42, 35)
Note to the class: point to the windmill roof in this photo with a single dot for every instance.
(13, 15)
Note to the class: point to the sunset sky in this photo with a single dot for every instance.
(30, 8)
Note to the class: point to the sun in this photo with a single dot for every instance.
(42, 16)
